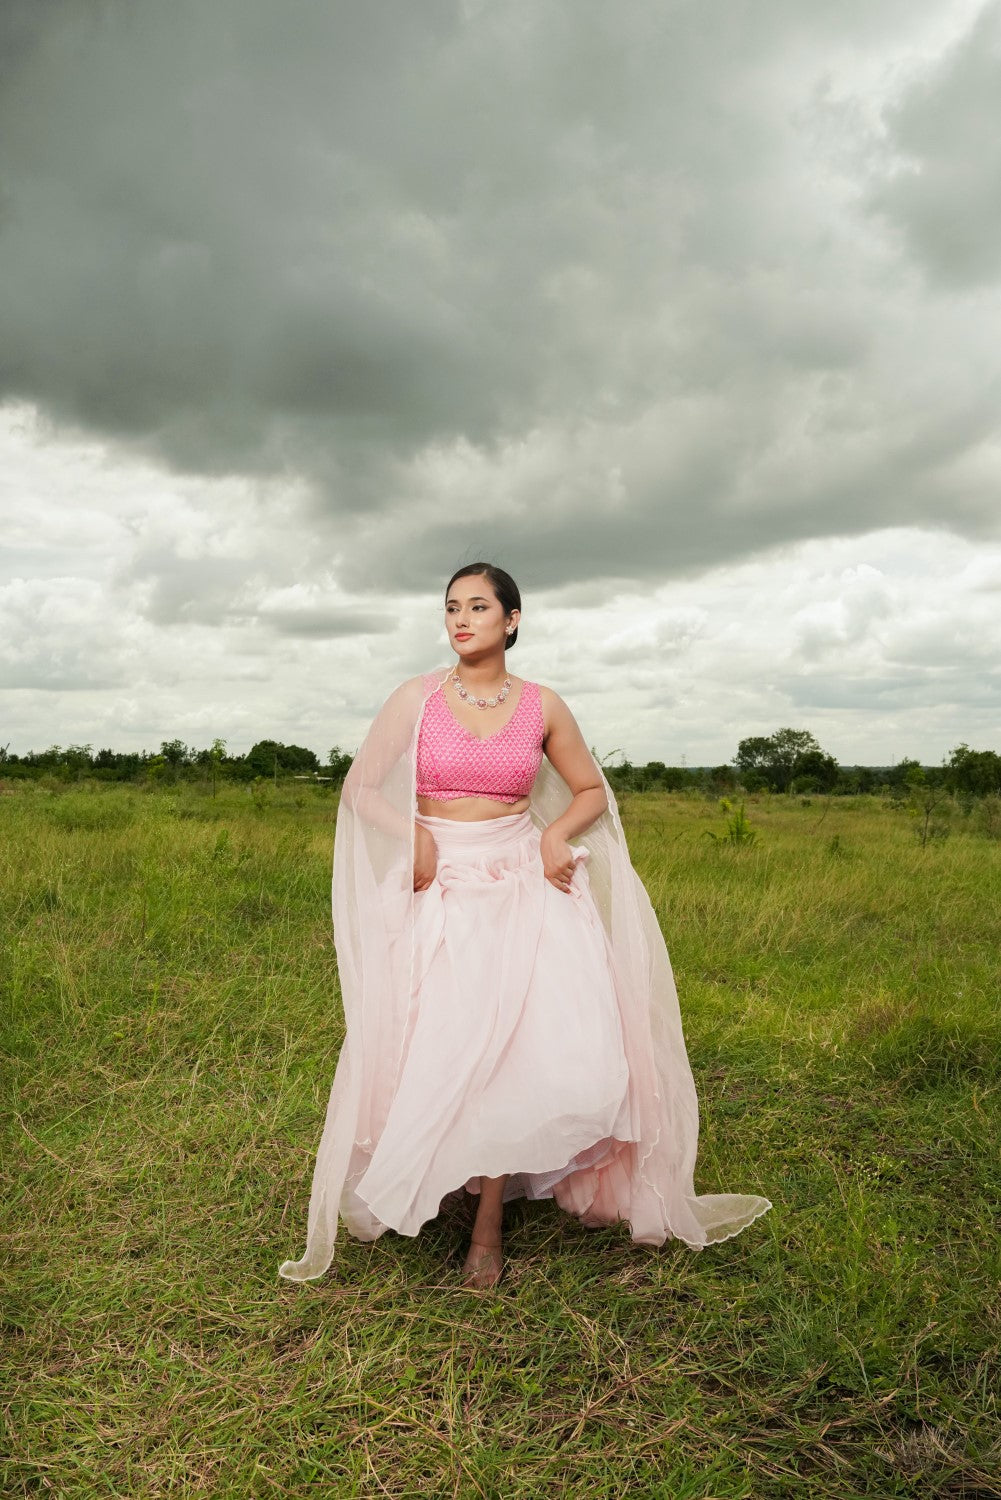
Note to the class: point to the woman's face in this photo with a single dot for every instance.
(475, 617)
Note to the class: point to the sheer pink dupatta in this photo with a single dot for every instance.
(373, 912)
(650, 1183)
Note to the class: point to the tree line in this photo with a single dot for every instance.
(175, 761)
(788, 761)
(792, 761)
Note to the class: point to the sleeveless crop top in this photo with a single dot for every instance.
(453, 762)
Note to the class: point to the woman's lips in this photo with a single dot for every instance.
(463, 635)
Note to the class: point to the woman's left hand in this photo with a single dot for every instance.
(558, 862)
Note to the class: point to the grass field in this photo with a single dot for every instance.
(169, 1035)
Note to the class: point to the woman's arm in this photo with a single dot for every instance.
(565, 749)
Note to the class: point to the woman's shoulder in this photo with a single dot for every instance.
(423, 681)
(554, 711)
(412, 692)
(550, 697)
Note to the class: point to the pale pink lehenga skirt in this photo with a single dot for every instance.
(515, 1060)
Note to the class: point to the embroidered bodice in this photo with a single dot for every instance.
(453, 762)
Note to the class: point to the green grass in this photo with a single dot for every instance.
(170, 1030)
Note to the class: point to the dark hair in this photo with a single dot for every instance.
(503, 586)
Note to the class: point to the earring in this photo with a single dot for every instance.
(509, 630)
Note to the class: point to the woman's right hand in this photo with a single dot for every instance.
(425, 859)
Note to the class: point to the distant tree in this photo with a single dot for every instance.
(654, 773)
(676, 778)
(216, 757)
(338, 764)
(268, 757)
(755, 781)
(157, 769)
(776, 760)
(900, 776)
(644, 779)
(262, 759)
(974, 773)
(754, 753)
(622, 778)
(790, 748)
(15, 768)
(297, 758)
(855, 779)
(723, 778)
(175, 753)
(76, 761)
(655, 776)
(119, 765)
(815, 772)
(926, 797)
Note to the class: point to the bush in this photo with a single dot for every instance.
(987, 817)
(738, 829)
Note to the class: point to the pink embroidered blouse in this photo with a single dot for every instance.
(453, 762)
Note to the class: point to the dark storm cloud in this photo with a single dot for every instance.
(951, 697)
(325, 624)
(192, 590)
(210, 590)
(945, 194)
(23, 24)
(222, 238)
(581, 284)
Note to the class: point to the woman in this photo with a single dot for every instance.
(512, 1021)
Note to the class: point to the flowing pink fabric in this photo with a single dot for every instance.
(495, 1024)
(515, 1062)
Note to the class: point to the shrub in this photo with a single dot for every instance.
(738, 829)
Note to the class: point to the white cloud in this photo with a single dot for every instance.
(882, 645)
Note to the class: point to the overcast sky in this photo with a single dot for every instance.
(686, 313)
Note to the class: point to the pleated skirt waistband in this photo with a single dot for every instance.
(480, 836)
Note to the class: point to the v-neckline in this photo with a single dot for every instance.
(482, 738)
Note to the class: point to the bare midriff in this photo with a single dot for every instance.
(470, 809)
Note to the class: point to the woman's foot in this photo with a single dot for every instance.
(485, 1262)
(484, 1265)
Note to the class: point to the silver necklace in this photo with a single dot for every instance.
(480, 702)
